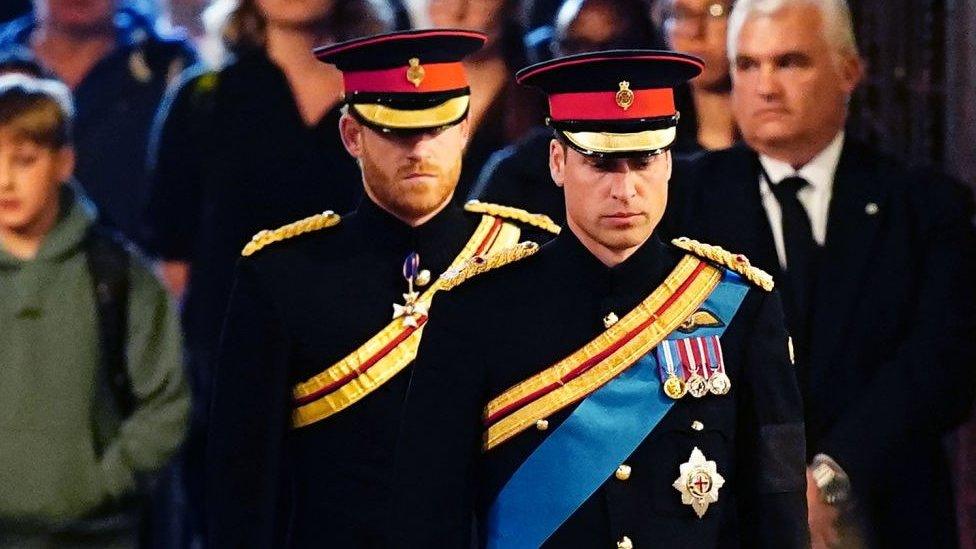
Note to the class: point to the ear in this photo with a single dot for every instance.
(670, 164)
(351, 132)
(66, 163)
(557, 162)
(465, 126)
(851, 72)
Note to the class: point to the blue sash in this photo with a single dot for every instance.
(581, 454)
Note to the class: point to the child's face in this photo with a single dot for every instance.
(30, 176)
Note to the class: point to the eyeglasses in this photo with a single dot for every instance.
(683, 21)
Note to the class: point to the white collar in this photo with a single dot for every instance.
(819, 171)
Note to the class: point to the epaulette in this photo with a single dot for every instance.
(541, 221)
(478, 264)
(737, 262)
(313, 223)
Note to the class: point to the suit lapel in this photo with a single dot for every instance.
(856, 208)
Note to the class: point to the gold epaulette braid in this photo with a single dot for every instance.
(541, 221)
(478, 264)
(737, 262)
(302, 226)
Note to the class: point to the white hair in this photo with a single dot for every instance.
(836, 15)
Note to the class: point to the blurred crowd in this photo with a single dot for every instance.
(158, 136)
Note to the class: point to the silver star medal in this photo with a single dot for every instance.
(411, 311)
(698, 481)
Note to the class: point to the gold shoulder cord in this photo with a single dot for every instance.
(452, 278)
(302, 226)
(541, 221)
(737, 262)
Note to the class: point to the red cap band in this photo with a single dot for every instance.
(436, 77)
(607, 105)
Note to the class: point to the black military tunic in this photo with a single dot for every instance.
(528, 316)
(298, 307)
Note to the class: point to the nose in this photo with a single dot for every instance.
(624, 186)
(6, 173)
(420, 145)
(767, 84)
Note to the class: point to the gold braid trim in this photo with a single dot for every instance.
(452, 278)
(541, 221)
(302, 226)
(737, 262)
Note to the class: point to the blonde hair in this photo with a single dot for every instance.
(38, 109)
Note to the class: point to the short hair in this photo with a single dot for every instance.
(38, 109)
(837, 21)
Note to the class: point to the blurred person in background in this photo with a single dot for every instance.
(92, 396)
(118, 66)
(698, 27)
(876, 264)
(249, 146)
(519, 174)
(501, 112)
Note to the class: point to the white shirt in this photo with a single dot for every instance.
(815, 197)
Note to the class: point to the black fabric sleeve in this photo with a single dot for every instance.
(771, 445)
(248, 420)
(177, 154)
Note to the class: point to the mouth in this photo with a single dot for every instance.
(9, 204)
(623, 215)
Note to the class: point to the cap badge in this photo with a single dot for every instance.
(415, 72)
(624, 97)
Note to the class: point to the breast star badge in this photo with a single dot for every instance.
(699, 482)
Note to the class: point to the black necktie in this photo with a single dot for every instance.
(801, 251)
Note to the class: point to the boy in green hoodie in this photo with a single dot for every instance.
(92, 396)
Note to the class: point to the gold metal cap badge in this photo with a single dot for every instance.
(624, 97)
(415, 72)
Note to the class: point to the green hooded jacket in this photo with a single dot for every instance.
(50, 471)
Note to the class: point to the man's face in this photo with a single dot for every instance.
(790, 87)
(295, 13)
(77, 15)
(699, 27)
(410, 175)
(613, 203)
(30, 176)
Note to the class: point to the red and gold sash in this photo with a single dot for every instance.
(394, 347)
(599, 361)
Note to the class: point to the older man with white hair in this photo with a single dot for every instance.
(875, 262)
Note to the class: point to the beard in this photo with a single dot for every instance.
(410, 200)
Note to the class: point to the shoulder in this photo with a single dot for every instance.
(294, 230)
(512, 214)
(721, 257)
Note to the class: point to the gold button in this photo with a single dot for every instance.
(625, 543)
(610, 320)
(697, 425)
(542, 424)
(623, 472)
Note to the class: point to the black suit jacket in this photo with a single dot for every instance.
(889, 365)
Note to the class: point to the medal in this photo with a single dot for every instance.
(697, 385)
(718, 382)
(412, 310)
(698, 481)
(674, 387)
(672, 382)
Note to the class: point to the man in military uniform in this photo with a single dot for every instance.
(315, 394)
(641, 393)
